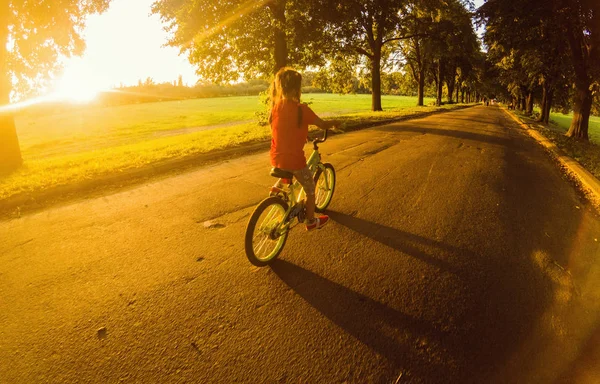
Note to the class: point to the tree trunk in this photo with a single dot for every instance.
(462, 95)
(10, 152)
(523, 104)
(451, 83)
(540, 119)
(582, 104)
(581, 114)
(280, 44)
(376, 80)
(421, 87)
(529, 102)
(457, 92)
(440, 83)
(548, 108)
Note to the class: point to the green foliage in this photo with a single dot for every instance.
(36, 34)
(264, 112)
(231, 39)
(398, 83)
(339, 76)
(440, 45)
(365, 28)
(321, 80)
(547, 46)
(596, 105)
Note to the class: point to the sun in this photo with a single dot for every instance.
(78, 84)
(75, 92)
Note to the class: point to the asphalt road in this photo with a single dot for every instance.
(458, 253)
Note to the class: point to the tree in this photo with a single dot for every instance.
(366, 27)
(339, 75)
(581, 19)
(414, 49)
(539, 51)
(452, 43)
(572, 24)
(440, 39)
(230, 39)
(32, 37)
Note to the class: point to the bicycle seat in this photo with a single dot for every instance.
(281, 174)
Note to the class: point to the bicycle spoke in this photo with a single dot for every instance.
(325, 184)
(268, 219)
(266, 232)
(261, 246)
(260, 238)
(262, 243)
(265, 226)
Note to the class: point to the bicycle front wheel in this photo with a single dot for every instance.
(325, 186)
(265, 232)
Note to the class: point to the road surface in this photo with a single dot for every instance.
(457, 253)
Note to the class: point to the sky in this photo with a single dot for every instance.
(125, 44)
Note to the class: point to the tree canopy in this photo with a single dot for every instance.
(533, 40)
(231, 38)
(32, 37)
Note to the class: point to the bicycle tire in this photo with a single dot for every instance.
(277, 243)
(323, 195)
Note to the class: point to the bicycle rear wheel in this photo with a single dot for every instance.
(265, 236)
(325, 186)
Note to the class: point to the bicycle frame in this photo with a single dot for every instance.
(294, 193)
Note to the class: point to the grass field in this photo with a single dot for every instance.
(564, 121)
(587, 154)
(64, 148)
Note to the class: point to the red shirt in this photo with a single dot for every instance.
(287, 144)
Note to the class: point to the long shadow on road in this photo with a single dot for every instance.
(384, 330)
(462, 351)
(493, 320)
(430, 251)
(446, 132)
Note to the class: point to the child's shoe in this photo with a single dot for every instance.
(317, 223)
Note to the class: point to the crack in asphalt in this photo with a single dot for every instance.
(374, 185)
(234, 210)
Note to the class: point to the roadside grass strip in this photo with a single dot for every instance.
(586, 154)
(87, 144)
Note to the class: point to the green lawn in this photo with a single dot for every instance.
(586, 153)
(97, 128)
(564, 121)
(64, 148)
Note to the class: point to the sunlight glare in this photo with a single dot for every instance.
(78, 84)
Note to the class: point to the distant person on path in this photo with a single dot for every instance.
(289, 121)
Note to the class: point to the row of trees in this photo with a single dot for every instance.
(433, 39)
(233, 39)
(546, 51)
(325, 80)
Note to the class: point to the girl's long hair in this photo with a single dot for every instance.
(287, 84)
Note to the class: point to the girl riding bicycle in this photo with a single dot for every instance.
(289, 121)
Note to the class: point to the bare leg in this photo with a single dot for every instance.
(310, 208)
(305, 178)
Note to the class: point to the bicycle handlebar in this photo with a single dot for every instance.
(317, 140)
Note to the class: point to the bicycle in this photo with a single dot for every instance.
(271, 221)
